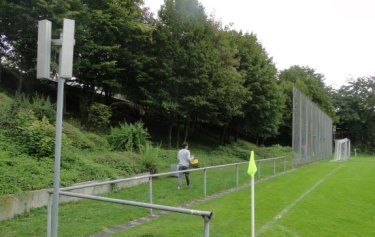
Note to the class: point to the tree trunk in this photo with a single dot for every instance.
(1, 81)
(20, 84)
(223, 134)
(170, 127)
(236, 133)
(178, 136)
(186, 132)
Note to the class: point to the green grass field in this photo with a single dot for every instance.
(322, 199)
(94, 216)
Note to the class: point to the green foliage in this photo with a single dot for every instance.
(85, 141)
(128, 137)
(241, 149)
(126, 163)
(355, 105)
(37, 137)
(99, 118)
(42, 107)
(150, 157)
(33, 136)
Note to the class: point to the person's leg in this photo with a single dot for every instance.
(187, 179)
(187, 176)
(179, 178)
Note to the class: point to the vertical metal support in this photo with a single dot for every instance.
(49, 214)
(259, 169)
(274, 166)
(205, 182)
(236, 175)
(252, 207)
(150, 192)
(206, 227)
(56, 177)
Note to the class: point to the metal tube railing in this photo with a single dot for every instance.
(236, 176)
(207, 215)
(205, 182)
(150, 192)
(149, 177)
(163, 174)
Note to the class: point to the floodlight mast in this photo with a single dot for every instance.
(66, 43)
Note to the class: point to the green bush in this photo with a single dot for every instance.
(128, 137)
(99, 118)
(43, 107)
(37, 137)
(150, 157)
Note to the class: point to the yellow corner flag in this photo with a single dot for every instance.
(252, 166)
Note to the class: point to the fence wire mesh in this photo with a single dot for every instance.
(312, 131)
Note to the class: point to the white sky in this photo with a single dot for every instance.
(334, 37)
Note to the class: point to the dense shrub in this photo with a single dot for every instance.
(128, 137)
(38, 138)
(33, 136)
(43, 107)
(150, 157)
(99, 118)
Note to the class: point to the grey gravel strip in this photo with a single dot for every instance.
(142, 220)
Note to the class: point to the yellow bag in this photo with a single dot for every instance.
(194, 162)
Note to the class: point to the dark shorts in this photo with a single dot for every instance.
(181, 167)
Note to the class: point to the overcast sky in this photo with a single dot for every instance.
(334, 37)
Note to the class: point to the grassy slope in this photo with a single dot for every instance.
(86, 156)
(90, 159)
(343, 205)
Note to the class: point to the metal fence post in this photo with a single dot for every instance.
(236, 176)
(259, 169)
(205, 182)
(150, 192)
(206, 226)
(49, 214)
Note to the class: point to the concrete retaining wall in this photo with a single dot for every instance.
(11, 205)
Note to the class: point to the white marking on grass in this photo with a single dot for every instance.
(280, 215)
(288, 231)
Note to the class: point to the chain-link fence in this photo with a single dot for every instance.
(312, 131)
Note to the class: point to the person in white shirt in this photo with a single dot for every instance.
(184, 159)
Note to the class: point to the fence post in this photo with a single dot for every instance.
(205, 182)
(206, 226)
(236, 175)
(150, 192)
(49, 214)
(259, 169)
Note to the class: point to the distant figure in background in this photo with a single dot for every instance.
(184, 159)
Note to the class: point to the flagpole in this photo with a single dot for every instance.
(252, 207)
(251, 171)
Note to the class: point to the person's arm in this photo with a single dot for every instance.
(190, 157)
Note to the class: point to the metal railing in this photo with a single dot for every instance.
(150, 177)
(207, 215)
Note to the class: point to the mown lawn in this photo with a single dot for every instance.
(322, 199)
(87, 217)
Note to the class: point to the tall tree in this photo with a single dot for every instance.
(21, 38)
(355, 105)
(263, 109)
(180, 84)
